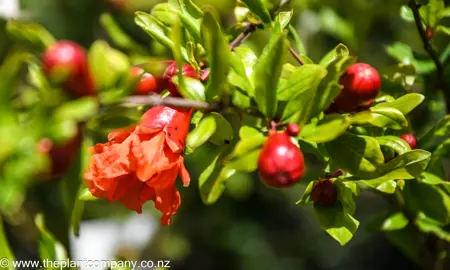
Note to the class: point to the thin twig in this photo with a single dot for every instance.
(157, 100)
(296, 56)
(242, 36)
(431, 52)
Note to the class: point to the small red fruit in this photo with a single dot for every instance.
(61, 155)
(429, 33)
(324, 193)
(410, 139)
(361, 83)
(292, 129)
(172, 70)
(280, 162)
(66, 62)
(147, 84)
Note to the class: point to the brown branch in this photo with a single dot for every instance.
(296, 56)
(242, 36)
(431, 52)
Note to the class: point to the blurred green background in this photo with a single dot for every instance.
(252, 227)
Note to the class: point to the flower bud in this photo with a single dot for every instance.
(410, 139)
(280, 162)
(147, 84)
(292, 129)
(172, 70)
(66, 63)
(361, 83)
(324, 193)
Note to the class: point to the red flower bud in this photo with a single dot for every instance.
(292, 129)
(410, 139)
(147, 84)
(361, 83)
(429, 33)
(280, 162)
(61, 155)
(324, 193)
(172, 70)
(66, 62)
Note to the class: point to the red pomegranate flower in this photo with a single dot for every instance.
(141, 162)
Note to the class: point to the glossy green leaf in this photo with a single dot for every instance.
(298, 41)
(395, 143)
(428, 225)
(431, 13)
(194, 89)
(247, 131)
(267, 73)
(306, 197)
(304, 78)
(405, 104)
(345, 196)
(5, 250)
(327, 129)
(429, 199)
(404, 54)
(238, 75)
(79, 110)
(283, 18)
(213, 177)
(259, 9)
(432, 179)
(397, 77)
(384, 117)
(224, 130)
(202, 133)
(107, 64)
(245, 163)
(247, 144)
(436, 135)
(388, 187)
(337, 223)
(217, 49)
(338, 52)
(192, 9)
(395, 222)
(49, 248)
(406, 13)
(362, 155)
(32, 33)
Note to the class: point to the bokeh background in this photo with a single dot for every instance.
(252, 227)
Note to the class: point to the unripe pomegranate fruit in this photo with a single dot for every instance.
(324, 193)
(61, 155)
(292, 129)
(410, 139)
(361, 84)
(147, 84)
(280, 162)
(66, 62)
(172, 70)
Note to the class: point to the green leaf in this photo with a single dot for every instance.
(152, 27)
(78, 110)
(431, 179)
(443, 29)
(437, 135)
(431, 13)
(298, 41)
(388, 187)
(302, 79)
(337, 223)
(245, 163)
(428, 225)
(404, 54)
(337, 62)
(429, 199)
(395, 143)
(405, 104)
(406, 13)
(49, 248)
(192, 9)
(337, 26)
(306, 197)
(5, 250)
(213, 177)
(388, 221)
(224, 130)
(85, 195)
(345, 196)
(397, 78)
(237, 75)
(267, 73)
(362, 156)
(247, 144)
(202, 133)
(284, 17)
(32, 33)
(259, 9)
(193, 88)
(217, 50)
(107, 64)
(9, 74)
(327, 129)
(384, 117)
(247, 131)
